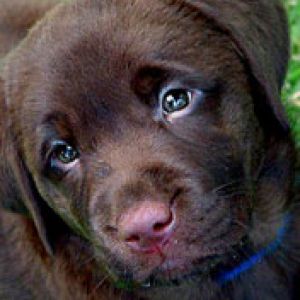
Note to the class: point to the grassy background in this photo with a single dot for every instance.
(291, 93)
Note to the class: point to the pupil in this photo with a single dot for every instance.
(67, 154)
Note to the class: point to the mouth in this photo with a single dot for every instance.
(220, 268)
(175, 271)
(168, 265)
(178, 256)
(172, 272)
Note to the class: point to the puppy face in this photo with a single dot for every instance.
(138, 127)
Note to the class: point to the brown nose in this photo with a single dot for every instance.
(147, 226)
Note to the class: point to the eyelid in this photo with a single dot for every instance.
(182, 85)
(51, 146)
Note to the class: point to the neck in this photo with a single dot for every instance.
(256, 258)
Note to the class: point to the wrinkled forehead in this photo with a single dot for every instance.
(107, 41)
(105, 38)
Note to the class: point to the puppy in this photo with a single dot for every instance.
(145, 153)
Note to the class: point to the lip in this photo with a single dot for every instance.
(170, 272)
(174, 271)
(159, 249)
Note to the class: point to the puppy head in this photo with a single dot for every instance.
(137, 125)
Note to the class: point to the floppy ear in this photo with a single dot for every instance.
(18, 193)
(17, 17)
(259, 31)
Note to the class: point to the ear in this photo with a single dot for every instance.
(259, 32)
(17, 17)
(18, 193)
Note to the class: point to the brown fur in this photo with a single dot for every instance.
(89, 73)
(17, 17)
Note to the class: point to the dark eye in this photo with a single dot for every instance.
(65, 153)
(176, 100)
(61, 157)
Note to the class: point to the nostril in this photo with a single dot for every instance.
(110, 229)
(133, 239)
(161, 226)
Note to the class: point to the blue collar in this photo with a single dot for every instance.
(227, 276)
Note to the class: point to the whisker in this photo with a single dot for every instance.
(87, 261)
(239, 223)
(100, 283)
(225, 185)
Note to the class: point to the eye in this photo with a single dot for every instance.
(176, 100)
(61, 157)
(65, 153)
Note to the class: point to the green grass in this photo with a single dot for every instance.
(291, 93)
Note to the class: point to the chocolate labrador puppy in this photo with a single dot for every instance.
(145, 153)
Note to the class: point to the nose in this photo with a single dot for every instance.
(147, 226)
